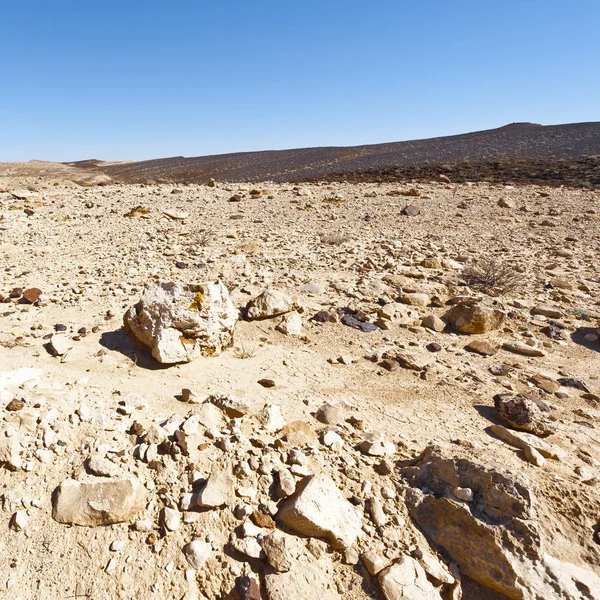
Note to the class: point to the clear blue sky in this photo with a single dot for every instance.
(145, 79)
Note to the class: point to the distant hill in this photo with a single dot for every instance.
(567, 154)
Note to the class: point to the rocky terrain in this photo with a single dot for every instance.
(318, 391)
(520, 152)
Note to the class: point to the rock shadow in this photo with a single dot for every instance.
(579, 338)
(489, 413)
(119, 341)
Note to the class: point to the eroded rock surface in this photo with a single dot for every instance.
(179, 323)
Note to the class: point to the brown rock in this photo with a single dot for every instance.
(267, 383)
(522, 413)
(482, 347)
(411, 211)
(32, 295)
(15, 405)
(475, 318)
(545, 383)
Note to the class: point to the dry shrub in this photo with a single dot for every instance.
(244, 353)
(492, 275)
(334, 239)
(411, 193)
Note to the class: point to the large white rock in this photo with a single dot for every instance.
(318, 508)
(98, 502)
(179, 323)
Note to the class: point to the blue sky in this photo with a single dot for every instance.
(145, 79)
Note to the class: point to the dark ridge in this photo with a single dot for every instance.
(524, 152)
(90, 163)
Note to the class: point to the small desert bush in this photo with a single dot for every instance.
(334, 239)
(492, 275)
(242, 352)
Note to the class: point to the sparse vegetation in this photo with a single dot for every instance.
(242, 352)
(334, 239)
(488, 274)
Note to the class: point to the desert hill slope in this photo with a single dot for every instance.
(520, 150)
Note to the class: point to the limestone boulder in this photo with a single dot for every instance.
(178, 323)
(475, 318)
(497, 539)
(98, 501)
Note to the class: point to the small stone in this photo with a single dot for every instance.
(524, 349)
(197, 553)
(217, 491)
(329, 415)
(19, 520)
(433, 322)
(533, 456)
(247, 588)
(59, 345)
(545, 383)
(331, 439)
(270, 303)
(267, 383)
(434, 347)
(102, 467)
(187, 395)
(411, 211)
(377, 448)
(467, 317)
(170, 518)
(286, 485)
(385, 467)
(465, 494)
(15, 405)
(290, 324)
(374, 562)
(270, 418)
(547, 311)
(263, 520)
(278, 550)
(230, 405)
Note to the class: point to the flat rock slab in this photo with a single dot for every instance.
(101, 502)
(304, 581)
(407, 580)
(318, 508)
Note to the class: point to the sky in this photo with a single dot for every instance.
(133, 80)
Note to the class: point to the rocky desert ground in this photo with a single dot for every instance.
(298, 391)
